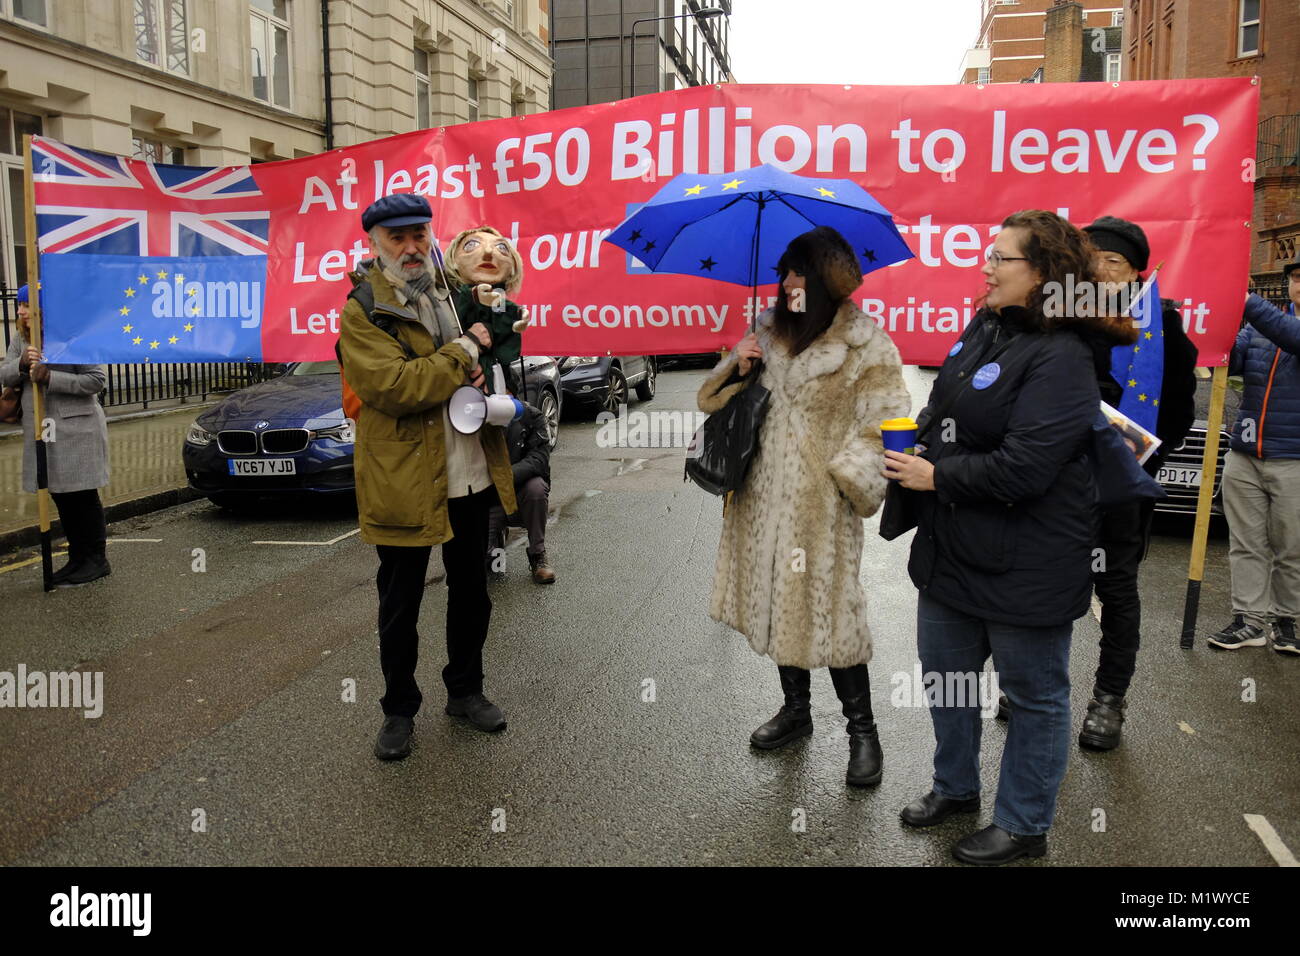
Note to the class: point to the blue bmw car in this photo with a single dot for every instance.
(288, 436)
(285, 435)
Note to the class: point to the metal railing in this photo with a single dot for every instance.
(1274, 290)
(165, 381)
(1278, 141)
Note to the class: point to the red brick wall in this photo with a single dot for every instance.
(1163, 41)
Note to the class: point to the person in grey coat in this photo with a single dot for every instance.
(76, 443)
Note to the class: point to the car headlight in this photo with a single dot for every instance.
(346, 433)
(198, 435)
(573, 361)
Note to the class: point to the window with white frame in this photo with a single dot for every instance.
(1117, 18)
(162, 34)
(1248, 28)
(35, 12)
(982, 77)
(1112, 67)
(269, 51)
(472, 99)
(423, 90)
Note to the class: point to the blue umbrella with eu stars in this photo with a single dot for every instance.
(735, 226)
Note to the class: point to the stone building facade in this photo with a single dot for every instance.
(225, 82)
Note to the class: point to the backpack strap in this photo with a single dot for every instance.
(364, 294)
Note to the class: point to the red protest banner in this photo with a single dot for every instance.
(950, 162)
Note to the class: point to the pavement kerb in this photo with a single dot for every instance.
(15, 538)
(132, 508)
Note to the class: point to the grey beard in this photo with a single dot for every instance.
(419, 283)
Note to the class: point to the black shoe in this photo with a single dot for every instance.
(794, 719)
(92, 569)
(394, 741)
(1102, 725)
(63, 572)
(930, 809)
(1004, 707)
(1284, 639)
(866, 761)
(478, 710)
(994, 846)
(1238, 634)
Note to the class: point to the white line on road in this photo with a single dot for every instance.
(1096, 608)
(1272, 842)
(314, 544)
(135, 540)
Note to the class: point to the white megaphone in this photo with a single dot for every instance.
(470, 408)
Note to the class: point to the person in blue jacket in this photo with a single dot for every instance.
(1261, 477)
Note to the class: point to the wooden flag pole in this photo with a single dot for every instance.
(37, 391)
(1209, 469)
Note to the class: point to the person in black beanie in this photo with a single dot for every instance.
(1125, 530)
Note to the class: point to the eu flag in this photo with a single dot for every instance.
(1140, 368)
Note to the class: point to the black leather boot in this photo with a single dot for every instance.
(866, 761)
(1105, 719)
(93, 567)
(794, 719)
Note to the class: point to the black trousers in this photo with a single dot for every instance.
(82, 515)
(1125, 534)
(533, 497)
(400, 581)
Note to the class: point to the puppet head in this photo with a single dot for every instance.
(482, 254)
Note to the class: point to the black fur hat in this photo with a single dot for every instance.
(1112, 234)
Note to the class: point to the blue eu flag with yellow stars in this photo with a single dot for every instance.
(1140, 368)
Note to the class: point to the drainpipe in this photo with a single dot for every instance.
(329, 84)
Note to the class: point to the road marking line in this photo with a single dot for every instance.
(135, 540)
(1272, 842)
(314, 544)
(22, 564)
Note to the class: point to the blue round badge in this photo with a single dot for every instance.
(955, 349)
(987, 375)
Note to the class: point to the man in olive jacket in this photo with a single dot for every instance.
(419, 481)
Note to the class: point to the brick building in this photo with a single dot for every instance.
(225, 82)
(1175, 39)
(1073, 52)
(1012, 40)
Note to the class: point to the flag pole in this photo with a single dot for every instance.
(38, 391)
(1200, 536)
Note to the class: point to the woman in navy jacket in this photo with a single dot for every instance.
(1002, 552)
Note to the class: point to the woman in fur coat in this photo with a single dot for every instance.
(787, 575)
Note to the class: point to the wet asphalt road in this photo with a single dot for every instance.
(225, 694)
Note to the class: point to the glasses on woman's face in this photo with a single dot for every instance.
(995, 258)
(473, 245)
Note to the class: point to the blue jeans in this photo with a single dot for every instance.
(1032, 665)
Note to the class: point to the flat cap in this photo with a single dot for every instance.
(399, 209)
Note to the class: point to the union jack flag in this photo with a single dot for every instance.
(89, 202)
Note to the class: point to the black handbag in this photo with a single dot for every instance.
(721, 451)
